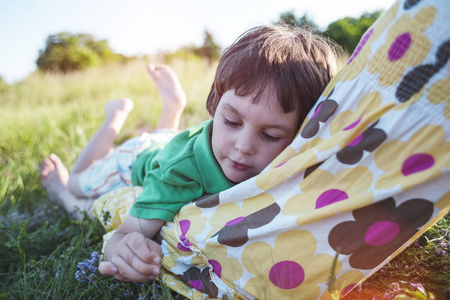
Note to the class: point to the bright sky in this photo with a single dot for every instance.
(145, 26)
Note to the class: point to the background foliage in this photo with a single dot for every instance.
(348, 31)
(345, 32)
(66, 52)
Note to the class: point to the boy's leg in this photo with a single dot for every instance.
(174, 101)
(102, 142)
(172, 94)
(64, 188)
(54, 177)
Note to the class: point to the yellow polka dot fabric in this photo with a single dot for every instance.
(368, 173)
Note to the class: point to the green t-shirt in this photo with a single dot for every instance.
(174, 175)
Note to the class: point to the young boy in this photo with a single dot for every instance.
(266, 83)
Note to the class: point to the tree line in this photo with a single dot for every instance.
(66, 52)
(346, 32)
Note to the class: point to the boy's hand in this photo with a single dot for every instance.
(131, 253)
(136, 258)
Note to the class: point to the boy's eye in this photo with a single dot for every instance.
(270, 138)
(230, 123)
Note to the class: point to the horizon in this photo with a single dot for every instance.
(140, 27)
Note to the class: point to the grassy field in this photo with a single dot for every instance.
(45, 255)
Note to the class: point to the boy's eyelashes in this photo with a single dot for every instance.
(265, 135)
(230, 123)
(270, 138)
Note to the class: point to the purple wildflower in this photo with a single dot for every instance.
(80, 276)
(417, 285)
(87, 266)
(128, 293)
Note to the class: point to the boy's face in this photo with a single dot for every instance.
(247, 136)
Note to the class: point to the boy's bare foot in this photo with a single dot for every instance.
(115, 108)
(168, 86)
(172, 94)
(116, 112)
(54, 178)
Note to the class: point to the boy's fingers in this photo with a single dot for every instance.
(144, 267)
(107, 268)
(134, 259)
(128, 273)
(138, 245)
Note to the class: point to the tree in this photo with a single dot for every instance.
(345, 32)
(210, 50)
(348, 31)
(65, 52)
(304, 21)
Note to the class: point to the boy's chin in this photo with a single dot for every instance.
(238, 178)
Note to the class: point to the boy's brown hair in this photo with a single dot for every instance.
(296, 62)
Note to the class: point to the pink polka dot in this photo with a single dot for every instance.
(235, 221)
(360, 45)
(183, 248)
(184, 244)
(196, 284)
(399, 47)
(317, 111)
(381, 233)
(417, 163)
(280, 164)
(352, 125)
(184, 226)
(217, 268)
(347, 289)
(287, 274)
(329, 197)
(356, 141)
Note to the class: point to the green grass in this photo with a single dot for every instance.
(41, 248)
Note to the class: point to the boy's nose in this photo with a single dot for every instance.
(245, 144)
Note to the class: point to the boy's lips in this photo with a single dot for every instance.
(238, 166)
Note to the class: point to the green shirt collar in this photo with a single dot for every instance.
(212, 175)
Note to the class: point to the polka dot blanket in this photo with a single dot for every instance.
(368, 173)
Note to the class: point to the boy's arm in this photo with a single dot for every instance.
(130, 254)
